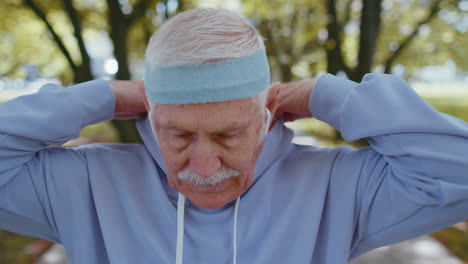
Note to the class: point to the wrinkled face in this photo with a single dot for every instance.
(210, 149)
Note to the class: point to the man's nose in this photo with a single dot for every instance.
(204, 160)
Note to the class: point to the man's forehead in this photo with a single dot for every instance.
(177, 125)
(241, 106)
(227, 115)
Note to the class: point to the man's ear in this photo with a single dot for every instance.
(272, 102)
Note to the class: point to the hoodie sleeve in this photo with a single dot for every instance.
(28, 166)
(413, 179)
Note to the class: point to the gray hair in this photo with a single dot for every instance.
(202, 35)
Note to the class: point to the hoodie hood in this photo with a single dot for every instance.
(276, 142)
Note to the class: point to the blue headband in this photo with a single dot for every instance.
(208, 82)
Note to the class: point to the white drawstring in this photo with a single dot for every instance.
(180, 229)
(236, 209)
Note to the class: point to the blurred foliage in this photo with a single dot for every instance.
(298, 36)
(21, 249)
(443, 38)
(26, 38)
(10, 245)
(98, 133)
(452, 106)
(455, 239)
(24, 41)
(296, 33)
(68, 26)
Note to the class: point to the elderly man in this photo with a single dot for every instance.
(210, 184)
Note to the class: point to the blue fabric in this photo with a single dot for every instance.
(111, 203)
(208, 82)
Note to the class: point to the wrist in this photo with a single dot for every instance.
(130, 99)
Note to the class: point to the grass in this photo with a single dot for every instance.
(21, 249)
(455, 239)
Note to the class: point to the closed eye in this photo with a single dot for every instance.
(230, 139)
(230, 135)
(180, 140)
(181, 136)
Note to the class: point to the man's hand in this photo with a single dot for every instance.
(293, 99)
(130, 99)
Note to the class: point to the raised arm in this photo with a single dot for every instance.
(413, 179)
(28, 166)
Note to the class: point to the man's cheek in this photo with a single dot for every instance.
(171, 158)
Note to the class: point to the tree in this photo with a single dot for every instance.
(119, 25)
(302, 36)
(306, 37)
(347, 34)
(23, 43)
(122, 18)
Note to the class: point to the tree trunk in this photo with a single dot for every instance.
(335, 62)
(370, 26)
(83, 71)
(58, 41)
(118, 31)
(82, 74)
(285, 72)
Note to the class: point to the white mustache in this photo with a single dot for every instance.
(193, 178)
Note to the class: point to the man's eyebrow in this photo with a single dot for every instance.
(232, 128)
(235, 126)
(170, 126)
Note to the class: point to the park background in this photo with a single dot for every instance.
(66, 42)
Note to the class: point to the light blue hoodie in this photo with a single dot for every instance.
(110, 203)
